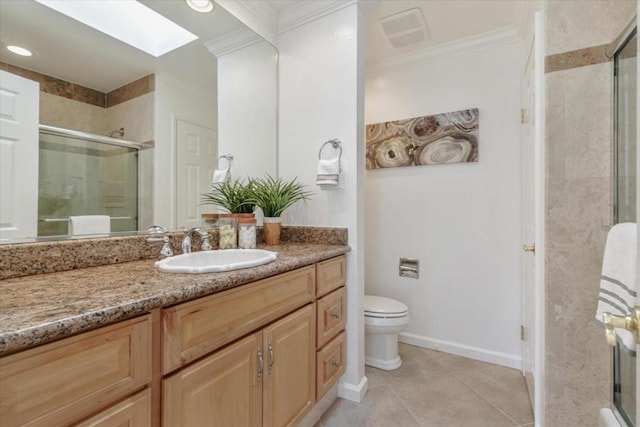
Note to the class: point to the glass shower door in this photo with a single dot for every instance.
(625, 179)
(80, 176)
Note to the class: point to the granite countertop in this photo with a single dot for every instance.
(45, 307)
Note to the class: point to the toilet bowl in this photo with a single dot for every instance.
(384, 319)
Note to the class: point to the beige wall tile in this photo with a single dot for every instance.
(69, 114)
(577, 24)
(136, 116)
(578, 207)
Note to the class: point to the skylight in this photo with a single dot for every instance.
(128, 21)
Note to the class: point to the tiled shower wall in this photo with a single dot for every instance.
(579, 109)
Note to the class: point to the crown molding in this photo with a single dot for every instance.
(231, 42)
(259, 15)
(303, 12)
(465, 46)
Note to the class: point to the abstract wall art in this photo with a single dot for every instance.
(428, 140)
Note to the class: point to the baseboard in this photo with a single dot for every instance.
(476, 353)
(353, 392)
(321, 406)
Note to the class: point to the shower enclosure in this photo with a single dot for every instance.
(86, 174)
(625, 178)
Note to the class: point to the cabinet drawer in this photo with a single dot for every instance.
(331, 316)
(331, 275)
(65, 381)
(330, 364)
(196, 328)
(133, 411)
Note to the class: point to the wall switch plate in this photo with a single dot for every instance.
(409, 267)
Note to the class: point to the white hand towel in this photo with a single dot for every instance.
(619, 282)
(329, 174)
(220, 176)
(89, 224)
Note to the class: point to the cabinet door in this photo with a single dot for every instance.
(68, 380)
(289, 379)
(224, 389)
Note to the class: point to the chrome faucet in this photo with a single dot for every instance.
(166, 245)
(186, 241)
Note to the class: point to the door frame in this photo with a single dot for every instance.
(539, 177)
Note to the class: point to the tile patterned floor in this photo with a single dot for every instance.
(434, 389)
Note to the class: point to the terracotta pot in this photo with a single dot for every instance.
(272, 227)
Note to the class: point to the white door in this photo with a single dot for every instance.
(196, 158)
(528, 226)
(19, 116)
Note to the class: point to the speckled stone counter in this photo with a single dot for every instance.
(45, 307)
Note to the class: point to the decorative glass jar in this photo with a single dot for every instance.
(228, 231)
(247, 233)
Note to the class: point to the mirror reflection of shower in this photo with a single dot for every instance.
(86, 174)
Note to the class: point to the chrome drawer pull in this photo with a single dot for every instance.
(335, 363)
(335, 315)
(273, 359)
(261, 364)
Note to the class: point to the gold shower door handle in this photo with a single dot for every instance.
(630, 323)
(528, 248)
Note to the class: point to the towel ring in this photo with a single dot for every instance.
(335, 143)
(228, 158)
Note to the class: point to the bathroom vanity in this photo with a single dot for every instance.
(127, 344)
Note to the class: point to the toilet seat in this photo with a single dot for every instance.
(381, 307)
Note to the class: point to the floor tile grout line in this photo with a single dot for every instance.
(404, 405)
(515, 423)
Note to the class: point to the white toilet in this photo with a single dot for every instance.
(384, 318)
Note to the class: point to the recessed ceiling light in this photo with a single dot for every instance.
(128, 21)
(19, 50)
(202, 6)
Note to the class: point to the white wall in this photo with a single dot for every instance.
(247, 114)
(176, 99)
(321, 97)
(462, 221)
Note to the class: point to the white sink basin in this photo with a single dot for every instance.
(215, 261)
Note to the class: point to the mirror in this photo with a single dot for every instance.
(217, 83)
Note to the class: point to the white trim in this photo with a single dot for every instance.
(465, 46)
(303, 12)
(353, 392)
(476, 353)
(259, 16)
(233, 41)
(539, 177)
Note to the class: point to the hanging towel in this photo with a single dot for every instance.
(220, 176)
(619, 282)
(329, 174)
(89, 224)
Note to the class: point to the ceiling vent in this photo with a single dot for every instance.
(405, 28)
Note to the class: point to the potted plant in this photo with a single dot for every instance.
(232, 196)
(274, 196)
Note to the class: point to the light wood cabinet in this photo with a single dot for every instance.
(133, 411)
(330, 364)
(331, 321)
(260, 354)
(331, 274)
(267, 378)
(196, 328)
(224, 389)
(289, 379)
(331, 316)
(68, 380)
